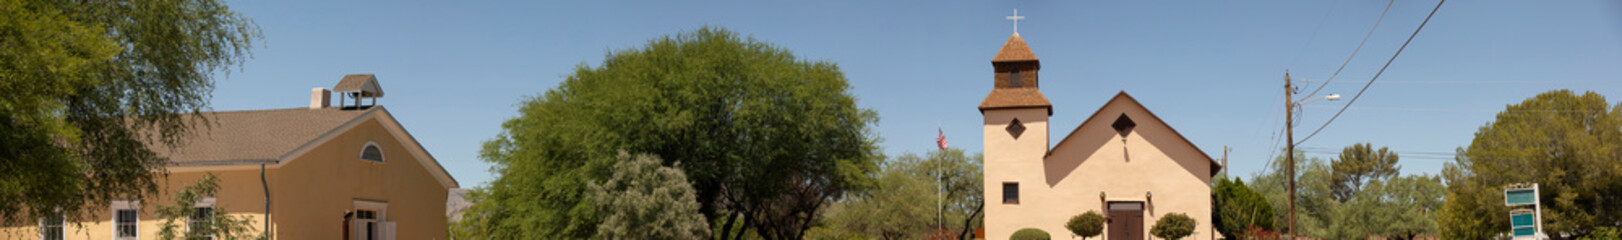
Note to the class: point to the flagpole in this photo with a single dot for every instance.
(940, 198)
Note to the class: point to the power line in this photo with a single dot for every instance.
(1377, 74)
(1476, 111)
(1314, 36)
(1354, 51)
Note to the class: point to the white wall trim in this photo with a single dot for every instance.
(381, 157)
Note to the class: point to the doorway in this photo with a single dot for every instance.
(1126, 221)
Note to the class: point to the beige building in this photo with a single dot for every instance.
(1123, 162)
(320, 172)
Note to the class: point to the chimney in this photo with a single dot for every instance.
(320, 98)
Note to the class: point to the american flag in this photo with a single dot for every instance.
(941, 141)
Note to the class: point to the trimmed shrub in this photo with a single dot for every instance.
(1173, 226)
(1030, 234)
(1086, 225)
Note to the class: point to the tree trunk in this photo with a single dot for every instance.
(726, 230)
(968, 223)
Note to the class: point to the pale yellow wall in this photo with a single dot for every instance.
(310, 202)
(240, 195)
(1067, 183)
(1008, 159)
(330, 177)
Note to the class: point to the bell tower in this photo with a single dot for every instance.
(1016, 139)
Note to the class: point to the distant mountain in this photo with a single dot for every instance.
(455, 202)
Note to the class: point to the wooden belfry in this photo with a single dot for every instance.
(357, 86)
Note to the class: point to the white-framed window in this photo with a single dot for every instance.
(371, 152)
(126, 219)
(371, 221)
(202, 211)
(50, 226)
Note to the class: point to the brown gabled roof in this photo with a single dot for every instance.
(1124, 98)
(1014, 51)
(257, 135)
(1005, 98)
(366, 84)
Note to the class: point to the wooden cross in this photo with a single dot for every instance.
(1016, 17)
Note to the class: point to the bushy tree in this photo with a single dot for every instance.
(214, 223)
(1086, 225)
(86, 87)
(1358, 165)
(646, 200)
(765, 138)
(1397, 208)
(1238, 208)
(1568, 144)
(902, 203)
(1315, 207)
(1030, 234)
(1173, 226)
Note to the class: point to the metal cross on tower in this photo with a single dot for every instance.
(1016, 17)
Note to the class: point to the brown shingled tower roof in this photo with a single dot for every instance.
(1016, 79)
(1014, 50)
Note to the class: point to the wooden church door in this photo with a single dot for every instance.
(1126, 221)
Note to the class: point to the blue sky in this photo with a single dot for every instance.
(455, 70)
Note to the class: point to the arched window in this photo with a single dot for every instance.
(371, 152)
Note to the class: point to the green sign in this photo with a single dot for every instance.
(1522, 224)
(1521, 220)
(1520, 197)
(1524, 232)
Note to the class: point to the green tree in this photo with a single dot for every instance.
(1566, 143)
(90, 85)
(645, 200)
(185, 221)
(1238, 208)
(1398, 208)
(765, 138)
(1358, 165)
(1173, 226)
(1315, 207)
(1086, 225)
(902, 202)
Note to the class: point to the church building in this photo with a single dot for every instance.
(1122, 162)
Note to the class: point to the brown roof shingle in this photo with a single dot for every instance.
(1001, 98)
(255, 135)
(1014, 50)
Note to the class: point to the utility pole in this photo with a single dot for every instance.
(1289, 149)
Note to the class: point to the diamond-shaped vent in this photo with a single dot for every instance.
(1015, 128)
(1123, 125)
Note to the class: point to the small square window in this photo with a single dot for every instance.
(1010, 193)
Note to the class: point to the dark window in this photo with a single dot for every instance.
(126, 221)
(1015, 128)
(51, 227)
(1014, 80)
(200, 223)
(1123, 125)
(1010, 193)
(371, 153)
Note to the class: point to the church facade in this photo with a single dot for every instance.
(1122, 162)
